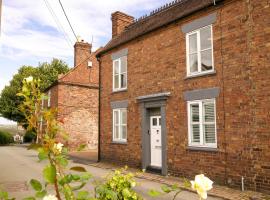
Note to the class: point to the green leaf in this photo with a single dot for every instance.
(78, 169)
(154, 193)
(75, 177)
(42, 154)
(166, 189)
(49, 173)
(126, 193)
(86, 176)
(3, 195)
(187, 183)
(66, 179)
(36, 185)
(82, 195)
(78, 187)
(29, 198)
(41, 194)
(62, 161)
(81, 147)
(175, 187)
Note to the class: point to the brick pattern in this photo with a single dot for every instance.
(119, 22)
(157, 63)
(78, 110)
(76, 99)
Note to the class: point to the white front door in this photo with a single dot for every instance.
(155, 138)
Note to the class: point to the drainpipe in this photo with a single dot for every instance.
(99, 88)
(243, 184)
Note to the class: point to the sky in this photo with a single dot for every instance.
(36, 31)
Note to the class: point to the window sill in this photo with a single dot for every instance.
(200, 75)
(209, 149)
(119, 142)
(117, 91)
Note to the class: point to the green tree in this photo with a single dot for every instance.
(46, 72)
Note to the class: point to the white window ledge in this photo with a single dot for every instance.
(200, 74)
(119, 142)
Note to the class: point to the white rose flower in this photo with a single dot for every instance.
(50, 197)
(58, 147)
(202, 184)
(29, 79)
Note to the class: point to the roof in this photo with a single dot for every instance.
(61, 80)
(165, 15)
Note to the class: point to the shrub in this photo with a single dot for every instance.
(5, 138)
(118, 185)
(29, 136)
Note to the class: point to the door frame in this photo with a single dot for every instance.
(146, 103)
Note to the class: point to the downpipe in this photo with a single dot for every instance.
(242, 184)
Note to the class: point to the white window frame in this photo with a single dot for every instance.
(49, 99)
(199, 72)
(201, 123)
(120, 139)
(119, 79)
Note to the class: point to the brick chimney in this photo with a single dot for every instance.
(82, 50)
(119, 22)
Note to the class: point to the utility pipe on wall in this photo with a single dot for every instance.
(243, 184)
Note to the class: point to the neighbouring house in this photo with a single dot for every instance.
(75, 95)
(185, 90)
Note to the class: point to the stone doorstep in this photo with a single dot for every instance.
(223, 192)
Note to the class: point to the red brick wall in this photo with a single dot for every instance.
(81, 73)
(157, 63)
(78, 110)
(76, 98)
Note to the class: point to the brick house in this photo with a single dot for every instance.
(186, 90)
(75, 95)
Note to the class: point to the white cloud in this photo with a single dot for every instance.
(30, 34)
(30, 31)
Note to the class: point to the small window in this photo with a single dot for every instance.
(120, 125)
(120, 73)
(199, 47)
(202, 123)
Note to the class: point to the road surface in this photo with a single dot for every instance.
(18, 165)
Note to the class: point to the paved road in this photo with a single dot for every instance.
(18, 165)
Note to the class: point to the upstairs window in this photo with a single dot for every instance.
(199, 46)
(120, 74)
(202, 123)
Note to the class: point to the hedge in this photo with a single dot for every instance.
(5, 138)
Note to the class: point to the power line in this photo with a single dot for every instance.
(58, 23)
(68, 20)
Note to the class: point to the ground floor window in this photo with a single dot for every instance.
(120, 125)
(202, 123)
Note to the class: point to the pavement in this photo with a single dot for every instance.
(18, 165)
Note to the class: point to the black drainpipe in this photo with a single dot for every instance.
(99, 88)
